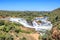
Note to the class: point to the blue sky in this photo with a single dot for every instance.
(29, 5)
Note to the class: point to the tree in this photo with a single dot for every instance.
(56, 18)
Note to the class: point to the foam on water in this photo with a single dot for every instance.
(44, 25)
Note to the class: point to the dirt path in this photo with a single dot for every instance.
(35, 35)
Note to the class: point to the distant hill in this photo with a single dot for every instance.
(56, 9)
(55, 14)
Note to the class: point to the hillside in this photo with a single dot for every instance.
(13, 31)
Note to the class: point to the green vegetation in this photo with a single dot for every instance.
(6, 26)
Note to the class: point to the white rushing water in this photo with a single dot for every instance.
(43, 26)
